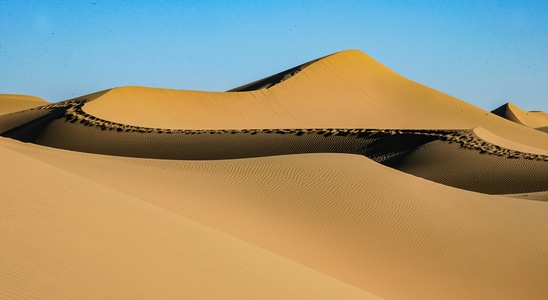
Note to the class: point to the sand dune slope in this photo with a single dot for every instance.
(12, 103)
(533, 119)
(290, 187)
(493, 165)
(66, 237)
(385, 232)
(342, 103)
(344, 90)
(459, 167)
(482, 162)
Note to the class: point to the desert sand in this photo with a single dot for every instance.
(12, 103)
(336, 179)
(533, 119)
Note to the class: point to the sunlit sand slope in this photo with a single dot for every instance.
(145, 225)
(387, 118)
(290, 187)
(506, 166)
(67, 236)
(11, 103)
(344, 90)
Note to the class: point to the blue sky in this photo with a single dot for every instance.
(484, 52)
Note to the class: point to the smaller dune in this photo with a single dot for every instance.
(533, 119)
(477, 160)
(492, 138)
(336, 179)
(10, 103)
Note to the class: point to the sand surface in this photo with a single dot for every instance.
(533, 119)
(10, 103)
(336, 179)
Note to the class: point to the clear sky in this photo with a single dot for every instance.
(484, 52)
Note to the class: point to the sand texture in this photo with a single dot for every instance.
(336, 179)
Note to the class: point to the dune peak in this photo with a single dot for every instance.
(335, 179)
(533, 119)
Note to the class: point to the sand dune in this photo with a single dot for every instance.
(533, 119)
(358, 222)
(12, 103)
(457, 166)
(506, 165)
(85, 240)
(302, 185)
(345, 90)
(540, 196)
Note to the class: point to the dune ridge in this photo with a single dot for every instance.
(452, 165)
(477, 138)
(272, 80)
(309, 99)
(336, 179)
(534, 119)
(403, 149)
(486, 135)
(341, 215)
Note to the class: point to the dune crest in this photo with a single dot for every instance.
(271, 81)
(502, 142)
(344, 90)
(336, 179)
(533, 119)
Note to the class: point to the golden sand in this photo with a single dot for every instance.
(303, 185)
(10, 103)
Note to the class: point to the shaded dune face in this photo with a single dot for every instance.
(456, 158)
(302, 185)
(271, 81)
(455, 166)
(440, 152)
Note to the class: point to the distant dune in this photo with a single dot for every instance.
(533, 119)
(336, 179)
(12, 103)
